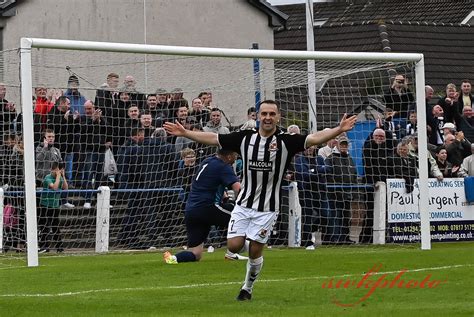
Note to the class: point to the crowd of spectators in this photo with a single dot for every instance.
(127, 124)
(341, 205)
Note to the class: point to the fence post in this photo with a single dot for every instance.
(294, 216)
(1, 219)
(380, 212)
(103, 220)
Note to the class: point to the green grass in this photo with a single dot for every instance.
(290, 284)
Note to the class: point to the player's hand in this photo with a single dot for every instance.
(10, 106)
(347, 123)
(174, 128)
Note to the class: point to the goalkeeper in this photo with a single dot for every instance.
(204, 208)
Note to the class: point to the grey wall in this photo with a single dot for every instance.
(211, 23)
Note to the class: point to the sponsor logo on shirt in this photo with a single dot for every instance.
(260, 166)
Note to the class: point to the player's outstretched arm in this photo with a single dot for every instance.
(177, 129)
(346, 124)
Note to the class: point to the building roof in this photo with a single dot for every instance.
(276, 18)
(447, 47)
(353, 11)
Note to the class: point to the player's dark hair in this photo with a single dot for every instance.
(269, 101)
(55, 165)
(224, 152)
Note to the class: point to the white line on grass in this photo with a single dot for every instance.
(151, 288)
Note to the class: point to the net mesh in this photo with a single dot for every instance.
(101, 143)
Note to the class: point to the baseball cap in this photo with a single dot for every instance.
(177, 91)
(161, 91)
(342, 139)
(449, 125)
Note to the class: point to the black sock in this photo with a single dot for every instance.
(185, 256)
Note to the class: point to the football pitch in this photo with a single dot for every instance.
(329, 281)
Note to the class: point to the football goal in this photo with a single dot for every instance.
(93, 112)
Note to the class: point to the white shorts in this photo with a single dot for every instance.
(255, 225)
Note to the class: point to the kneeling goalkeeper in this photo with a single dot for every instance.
(203, 207)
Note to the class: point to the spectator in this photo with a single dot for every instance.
(180, 115)
(136, 97)
(466, 99)
(7, 111)
(11, 170)
(107, 95)
(312, 194)
(458, 148)
(6, 153)
(449, 103)
(433, 170)
(177, 100)
(158, 164)
(444, 166)
(42, 107)
(117, 118)
(186, 171)
(159, 133)
(215, 124)
(448, 128)
(293, 129)
(327, 150)
(133, 120)
(436, 124)
(467, 166)
(412, 126)
(249, 125)
(48, 213)
(429, 92)
(251, 122)
(399, 97)
(404, 166)
(65, 124)
(182, 142)
(130, 176)
(46, 155)
(206, 99)
(75, 97)
(341, 173)
(252, 113)
(163, 99)
(146, 123)
(376, 155)
(93, 136)
(201, 113)
(12, 178)
(388, 124)
(158, 112)
(465, 123)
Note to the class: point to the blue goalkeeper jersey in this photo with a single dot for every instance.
(212, 176)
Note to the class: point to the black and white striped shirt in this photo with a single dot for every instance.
(265, 161)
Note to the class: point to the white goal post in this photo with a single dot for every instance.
(27, 44)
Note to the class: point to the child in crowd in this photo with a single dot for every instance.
(48, 212)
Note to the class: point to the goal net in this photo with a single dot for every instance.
(99, 114)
